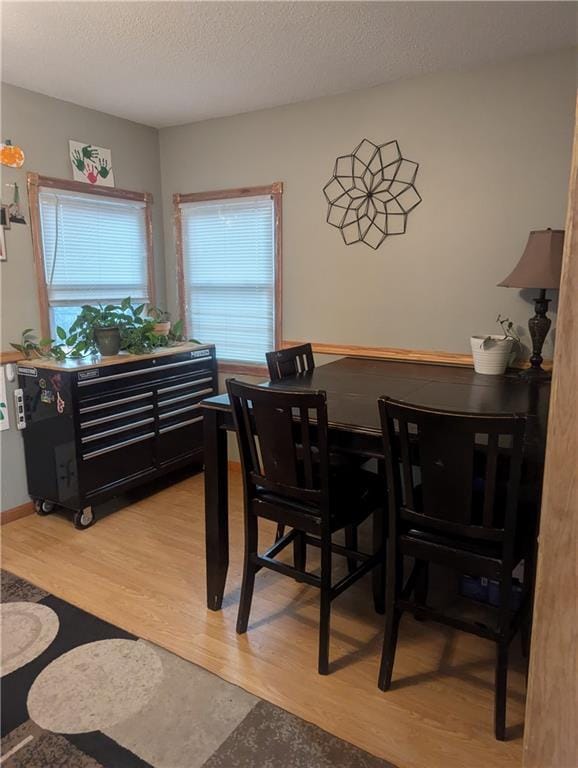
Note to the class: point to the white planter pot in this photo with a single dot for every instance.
(492, 353)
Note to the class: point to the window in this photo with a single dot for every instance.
(229, 247)
(95, 247)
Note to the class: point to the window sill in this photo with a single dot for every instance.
(246, 369)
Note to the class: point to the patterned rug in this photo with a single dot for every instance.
(80, 693)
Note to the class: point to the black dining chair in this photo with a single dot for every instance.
(461, 510)
(290, 362)
(282, 363)
(293, 361)
(287, 478)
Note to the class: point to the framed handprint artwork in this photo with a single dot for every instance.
(91, 164)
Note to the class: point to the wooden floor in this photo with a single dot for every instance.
(142, 568)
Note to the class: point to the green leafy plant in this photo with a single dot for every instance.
(176, 332)
(137, 332)
(65, 347)
(92, 318)
(140, 339)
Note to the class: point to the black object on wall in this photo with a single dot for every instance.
(371, 193)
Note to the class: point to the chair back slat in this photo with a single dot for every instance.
(490, 479)
(290, 362)
(406, 465)
(446, 464)
(307, 454)
(452, 483)
(250, 445)
(282, 437)
(274, 429)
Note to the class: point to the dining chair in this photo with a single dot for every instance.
(461, 510)
(293, 361)
(288, 478)
(290, 362)
(282, 363)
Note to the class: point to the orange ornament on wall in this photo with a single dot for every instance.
(11, 155)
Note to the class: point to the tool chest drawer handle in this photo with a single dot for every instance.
(174, 387)
(180, 425)
(115, 430)
(188, 396)
(179, 410)
(141, 371)
(117, 446)
(115, 416)
(111, 403)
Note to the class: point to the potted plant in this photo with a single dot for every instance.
(66, 346)
(107, 330)
(493, 353)
(162, 320)
(101, 327)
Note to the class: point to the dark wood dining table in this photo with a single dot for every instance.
(353, 386)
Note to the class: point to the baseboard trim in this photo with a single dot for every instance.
(15, 513)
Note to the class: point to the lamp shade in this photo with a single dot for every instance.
(541, 263)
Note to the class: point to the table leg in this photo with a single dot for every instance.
(216, 508)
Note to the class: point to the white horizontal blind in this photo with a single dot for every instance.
(95, 250)
(229, 275)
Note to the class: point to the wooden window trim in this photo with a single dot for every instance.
(275, 190)
(34, 182)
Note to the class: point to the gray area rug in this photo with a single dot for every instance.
(80, 693)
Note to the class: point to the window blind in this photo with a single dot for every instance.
(229, 275)
(94, 248)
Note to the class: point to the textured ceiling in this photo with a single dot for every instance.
(165, 63)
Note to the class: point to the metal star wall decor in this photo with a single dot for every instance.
(371, 193)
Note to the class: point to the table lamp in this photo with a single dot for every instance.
(539, 267)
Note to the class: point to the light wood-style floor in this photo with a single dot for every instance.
(142, 568)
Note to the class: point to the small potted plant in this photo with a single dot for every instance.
(493, 353)
(101, 327)
(162, 320)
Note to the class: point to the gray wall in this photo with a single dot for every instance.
(494, 150)
(42, 126)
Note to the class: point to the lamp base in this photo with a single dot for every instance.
(539, 325)
(535, 374)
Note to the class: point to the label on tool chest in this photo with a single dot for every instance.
(27, 371)
(200, 353)
(84, 375)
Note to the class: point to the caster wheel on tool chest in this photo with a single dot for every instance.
(84, 519)
(44, 507)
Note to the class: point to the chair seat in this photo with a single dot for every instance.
(355, 493)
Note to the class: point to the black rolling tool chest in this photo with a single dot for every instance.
(98, 427)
